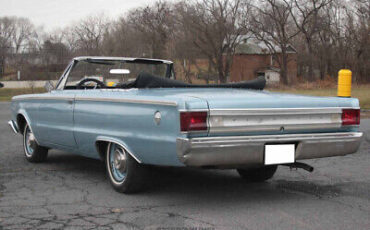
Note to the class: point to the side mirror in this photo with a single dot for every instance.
(49, 86)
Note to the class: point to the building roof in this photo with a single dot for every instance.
(250, 45)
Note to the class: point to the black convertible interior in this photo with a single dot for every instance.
(147, 80)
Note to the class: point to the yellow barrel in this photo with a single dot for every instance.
(344, 83)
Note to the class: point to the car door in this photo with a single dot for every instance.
(55, 118)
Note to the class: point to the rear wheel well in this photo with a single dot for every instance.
(101, 147)
(21, 122)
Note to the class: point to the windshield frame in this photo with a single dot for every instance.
(64, 78)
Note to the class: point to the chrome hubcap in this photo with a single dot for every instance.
(117, 163)
(120, 160)
(30, 142)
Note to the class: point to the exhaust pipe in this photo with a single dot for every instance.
(301, 165)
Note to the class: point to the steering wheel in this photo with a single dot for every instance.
(98, 83)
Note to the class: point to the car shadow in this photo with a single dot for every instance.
(74, 164)
(199, 186)
(174, 181)
(209, 185)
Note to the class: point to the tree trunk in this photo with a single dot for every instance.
(283, 68)
(209, 71)
(220, 69)
(222, 77)
(310, 61)
(322, 66)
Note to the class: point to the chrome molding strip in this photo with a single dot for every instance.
(65, 98)
(229, 141)
(124, 100)
(282, 127)
(121, 100)
(274, 119)
(277, 111)
(193, 110)
(14, 127)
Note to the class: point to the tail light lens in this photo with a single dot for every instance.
(350, 117)
(193, 121)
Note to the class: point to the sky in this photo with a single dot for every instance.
(54, 14)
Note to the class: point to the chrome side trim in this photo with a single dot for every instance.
(193, 110)
(102, 99)
(123, 100)
(14, 126)
(67, 98)
(249, 150)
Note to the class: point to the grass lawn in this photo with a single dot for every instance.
(7, 94)
(360, 92)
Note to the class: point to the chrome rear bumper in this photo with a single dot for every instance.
(249, 150)
(14, 126)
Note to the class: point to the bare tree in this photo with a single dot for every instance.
(216, 26)
(23, 33)
(121, 41)
(17, 37)
(272, 24)
(69, 38)
(307, 18)
(156, 25)
(6, 32)
(90, 32)
(328, 35)
(357, 29)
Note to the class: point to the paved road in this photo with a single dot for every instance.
(72, 192)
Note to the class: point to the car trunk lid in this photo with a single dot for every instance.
(241, 112)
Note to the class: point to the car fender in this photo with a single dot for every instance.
(28, 120)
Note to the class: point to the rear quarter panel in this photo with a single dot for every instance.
(133, 125)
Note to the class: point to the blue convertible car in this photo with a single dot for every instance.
(131, 112)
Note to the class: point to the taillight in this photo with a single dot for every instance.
(193, 121)
(350, 117)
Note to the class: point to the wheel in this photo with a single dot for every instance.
(258, 174)
(33, 152)
(124, 172)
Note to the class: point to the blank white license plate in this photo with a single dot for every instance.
(279, 154)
